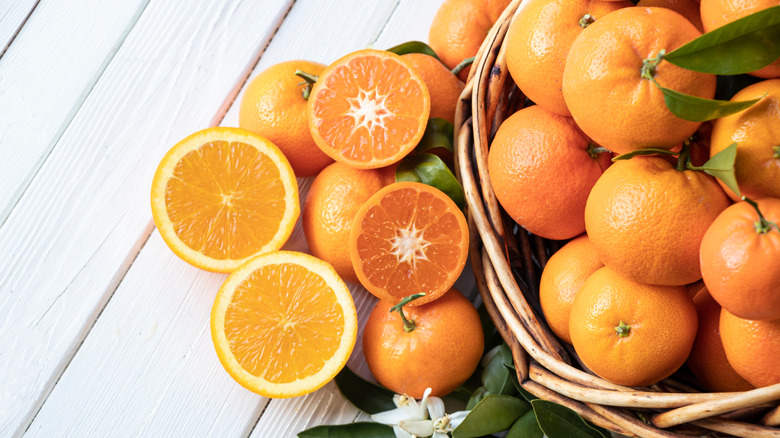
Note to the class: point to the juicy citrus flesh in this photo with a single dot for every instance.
(368, 109)
(223, 195)
(409, 238)
(283, 324)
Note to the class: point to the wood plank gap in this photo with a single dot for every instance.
(384, 25)
(251, 426)
(4, 215)
(19, 29)
(124, 268)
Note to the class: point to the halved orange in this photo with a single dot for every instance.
(409, 238)
(222, 196)
(368, 109)
(283, 324)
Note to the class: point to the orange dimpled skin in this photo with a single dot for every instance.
(542, 171)
(443, 86)
(739, 262)
(630, 333)
(604, 87)
(752, 348)
(646, 219)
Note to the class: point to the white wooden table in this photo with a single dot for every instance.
(103, 330)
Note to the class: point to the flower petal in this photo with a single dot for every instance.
(400, 433)
(457, 417)
(418, 427)
(392, 416)
(435, 407)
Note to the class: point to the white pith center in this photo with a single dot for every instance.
(408, 245)
(368, 109)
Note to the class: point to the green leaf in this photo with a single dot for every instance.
(648, 151)
(741, 46)
(352, 430)
(721, 166)
(497, 376)
(365, 395)
(526, 427)
(413, 47)
(697, 109)
(430, 169)
(493, 414)
(476, 397)
(558, 421)
(438, 134)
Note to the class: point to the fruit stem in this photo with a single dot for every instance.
(463, 64)
(649, 65)
(309, 80)
(762, 224)
(777, 152)
(683, 160)
(408, 325)
(586, 20)
(622, 329)
(595, 150)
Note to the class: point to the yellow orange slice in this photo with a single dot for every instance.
(283, 324)
(409, 238)
(222, 196)
(368, 109)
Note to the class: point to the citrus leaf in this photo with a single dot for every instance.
(697, 109)
(721, 166)
(497, 376)
(438, 134)
(476, 397)
(526, 427)
(493, 414)
(430, 169)
(413, 47)
(365, 395)
(741, 46)
(649, 151)
(559, 421)
(352, 430)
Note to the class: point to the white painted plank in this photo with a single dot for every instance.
(46, 74)
(13, 14)
(73, 234)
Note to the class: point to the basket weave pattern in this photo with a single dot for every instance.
(507, 261)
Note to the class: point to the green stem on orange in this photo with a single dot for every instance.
(777, 152)
(622, 329)
(309, 80)
(463, 64)
(649, 65)
(409, 325)
(684, 159)
(762, 224)
(586, 20)
(595, 150)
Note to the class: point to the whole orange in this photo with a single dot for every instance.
(756, 131)
(334, 198)
(608, 79)
(646, 219)
(441, 352)
(562, 278)
(752, 348)
(707, 359)
(631, 333)
(273, 106)
(542, 168)
(739, 260)
(538, 42)
(687, 8)
(717, 13)
(460, 26)
(443, 86)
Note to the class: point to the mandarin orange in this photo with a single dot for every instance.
(443, 86)
(752, 348)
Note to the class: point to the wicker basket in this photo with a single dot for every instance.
(507, 261)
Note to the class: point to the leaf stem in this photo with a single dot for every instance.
(777, 152)
(409, 325)
(463, 64)
(586, 20)
(762, 224)
(309, 80)
(595, 150)
(684, 159)
(649, 65)
(622, 329)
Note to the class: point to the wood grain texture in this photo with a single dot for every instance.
(81, 222)
(13, 15)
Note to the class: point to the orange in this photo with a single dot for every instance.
(646, 219)
(756, 131)
(752, 348)
(687, 8)
(538, 42)
(222, 196)
(273, 105)
(460, 26)
(283, 324)
(708, 360)
(408, 238)
(441, 351)
(739, 260)
(368, 109)
(563, 276)
(631, 333)
(330, 207)
(542, 168)
(717, 13)
(612, 100)
(443, 86)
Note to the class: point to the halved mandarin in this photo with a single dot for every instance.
(409, 238)
(368, 109)
(283, 324)
(222, 196)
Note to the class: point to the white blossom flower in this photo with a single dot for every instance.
(426, 419)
